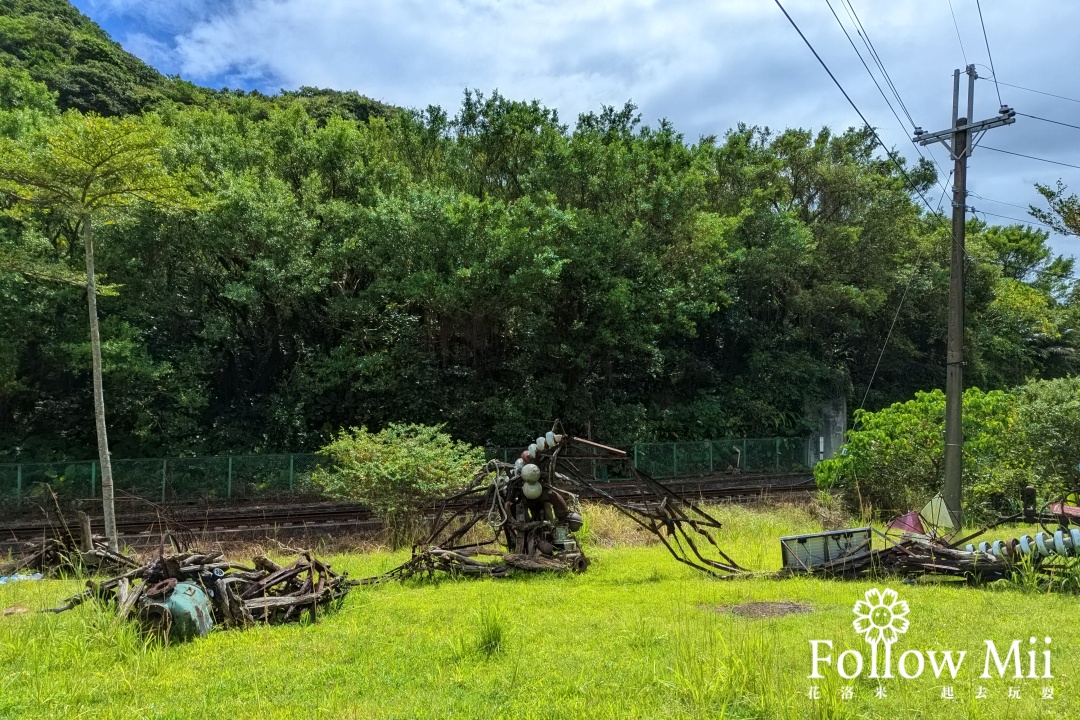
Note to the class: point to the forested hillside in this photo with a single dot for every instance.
(490, 267)
(77, 60)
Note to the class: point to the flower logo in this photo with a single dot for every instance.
(881, 618)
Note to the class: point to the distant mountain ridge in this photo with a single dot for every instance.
(89, 71)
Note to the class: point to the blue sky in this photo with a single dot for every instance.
(706, 65)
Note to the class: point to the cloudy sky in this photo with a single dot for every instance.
(706, 65)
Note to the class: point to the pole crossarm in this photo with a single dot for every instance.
(1007, 117)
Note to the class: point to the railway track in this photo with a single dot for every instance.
(236, 522)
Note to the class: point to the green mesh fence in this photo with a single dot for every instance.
(694, 459)
(254, 477)
(239, 477)
(710, 457)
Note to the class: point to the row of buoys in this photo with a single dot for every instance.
(1061, 543)
(544, 442)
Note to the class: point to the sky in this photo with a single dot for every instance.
(706, 65)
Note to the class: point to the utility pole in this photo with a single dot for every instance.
(960, 140)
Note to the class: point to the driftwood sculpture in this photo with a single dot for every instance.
(221, 592)
(524, 515)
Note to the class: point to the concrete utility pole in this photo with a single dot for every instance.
(960, 140)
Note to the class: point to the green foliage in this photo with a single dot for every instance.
(86, 164)
(87, 71)
(1049, 413)
(397, 472)
(352, 264)
(1064, 209)
(59, 46)
(894, 460)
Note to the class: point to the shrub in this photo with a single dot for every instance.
(894, 460)
(1049, 413)
(397, 472)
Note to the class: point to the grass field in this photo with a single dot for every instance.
(638, 635)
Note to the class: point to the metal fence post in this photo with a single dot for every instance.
(635, 456)
(674, 460)
(744, 468)
(228, 485)
(164, 470)
(18, 484)
(777, 453)
(93, 479)
(292, 470)
(710, 458)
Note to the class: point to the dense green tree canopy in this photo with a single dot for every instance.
(490, 268)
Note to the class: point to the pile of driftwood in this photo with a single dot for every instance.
(909, 557)
(239, 595)
(67, 553)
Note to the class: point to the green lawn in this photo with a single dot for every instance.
(636, 636)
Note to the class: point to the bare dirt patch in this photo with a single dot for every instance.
(762, 609)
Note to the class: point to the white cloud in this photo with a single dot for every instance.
(150, 49)
(705, 64)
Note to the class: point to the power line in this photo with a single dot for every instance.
(944, 188)
(1007, 217)
(1040, 92)
(888, 336)
(1056, 122)
(855, 107)
(877, 84)
(911, 185)
(1029, 157)
(992, 70)
(861, 31)
(999, 202)
(863, 61)
(957, 26)
(865, 36)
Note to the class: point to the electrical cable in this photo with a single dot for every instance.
(889, 154)
(863, 61)
(1048, 120)
(878, 86)
(1006, 217)
(888, 336)
(978, 4)
(1031, 157)
(865, 36)
(999, 202)
(1040, 92)
(957, 26)
(945, 189)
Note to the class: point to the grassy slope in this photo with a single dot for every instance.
(633, 637)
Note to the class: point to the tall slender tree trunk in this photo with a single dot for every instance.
(99, 392)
